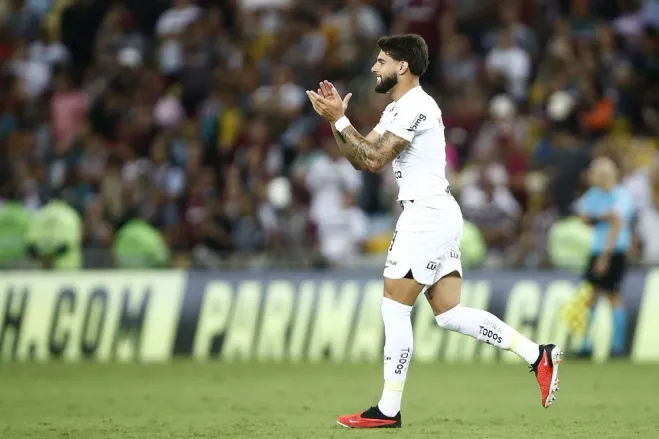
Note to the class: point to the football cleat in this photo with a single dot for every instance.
(371, 418)
(546, 372)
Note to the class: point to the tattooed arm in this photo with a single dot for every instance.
(370, 154)
(372, 138)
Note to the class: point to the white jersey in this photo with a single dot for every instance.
(420, 168)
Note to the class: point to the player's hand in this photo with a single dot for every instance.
(327, 103)
(601, 265)
(325, 93)
(327, 90)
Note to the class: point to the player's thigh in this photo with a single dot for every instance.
(444, 294)
(401, 282)
(404, 290)
(422, 237)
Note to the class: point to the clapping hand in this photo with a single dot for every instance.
(328, 103)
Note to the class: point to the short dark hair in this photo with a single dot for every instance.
(411, 48)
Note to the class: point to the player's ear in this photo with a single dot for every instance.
(403, 66)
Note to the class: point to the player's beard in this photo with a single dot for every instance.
(386, 83)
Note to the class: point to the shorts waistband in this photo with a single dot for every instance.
(403, 203)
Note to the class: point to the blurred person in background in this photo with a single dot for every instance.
(14, 225)
(536, 225)
(34, 73)
(489, 204)
(459, 65)
(562, 154)
(428, 18)
(282, 100)
(464, 118)
(328, 177)
(647, 226)
(609, 208)
(356, 28)
(23, 21)
(114, 77)
(97, 230)
(49, 49)
(646, 61)
(342, 233)
(54, 237)
(170, 30)
(509, 66)
(79, 22)
(509, 19)
(503, 124)
(139, 245)
(68, 108)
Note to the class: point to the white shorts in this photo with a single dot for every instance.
(426, 241)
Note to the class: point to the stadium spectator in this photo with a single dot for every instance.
(648, 220)
(489, 204)
(182, 113)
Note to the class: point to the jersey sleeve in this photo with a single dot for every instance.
(408, 121)
(379, 128)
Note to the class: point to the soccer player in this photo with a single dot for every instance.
(610, 208)
(424, 255)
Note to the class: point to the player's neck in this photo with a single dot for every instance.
(401, 88)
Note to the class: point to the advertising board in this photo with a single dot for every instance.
(155, 316)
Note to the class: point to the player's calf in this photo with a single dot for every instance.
(444, 298)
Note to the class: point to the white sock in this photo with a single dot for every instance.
(398, 346)
(487, 328)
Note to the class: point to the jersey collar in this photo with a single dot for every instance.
(411, 92)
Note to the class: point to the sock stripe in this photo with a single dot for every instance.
(394, 386)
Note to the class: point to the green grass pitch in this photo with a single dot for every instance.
(220, 400)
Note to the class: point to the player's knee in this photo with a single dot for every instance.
(450, 319)
(392, 307)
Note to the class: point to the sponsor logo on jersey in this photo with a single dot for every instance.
(417, 121)
(432, 265)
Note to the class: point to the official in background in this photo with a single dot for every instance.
(609, 207)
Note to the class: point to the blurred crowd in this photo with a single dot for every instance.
(191, 115)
